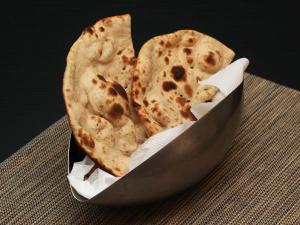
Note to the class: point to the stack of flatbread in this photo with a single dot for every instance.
(115, 101)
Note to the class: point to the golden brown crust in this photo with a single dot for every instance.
(96, 86)
(167, 73)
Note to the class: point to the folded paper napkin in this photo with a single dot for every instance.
(226, 80)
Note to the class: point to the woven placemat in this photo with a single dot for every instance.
(258, 182)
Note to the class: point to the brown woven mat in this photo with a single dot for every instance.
(258, 182)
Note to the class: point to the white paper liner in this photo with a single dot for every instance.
(226, 80)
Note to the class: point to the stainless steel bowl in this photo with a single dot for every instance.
(180, 164)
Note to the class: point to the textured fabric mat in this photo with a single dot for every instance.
(258, 181)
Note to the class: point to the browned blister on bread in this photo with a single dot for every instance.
(165, 82)
(97, 93)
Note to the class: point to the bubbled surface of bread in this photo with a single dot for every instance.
(169, 67)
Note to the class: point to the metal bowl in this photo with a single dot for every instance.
(180, 164)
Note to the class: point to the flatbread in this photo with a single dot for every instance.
(96, 88)
(169, 67)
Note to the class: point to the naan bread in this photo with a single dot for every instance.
(96, 86)
(165, 82)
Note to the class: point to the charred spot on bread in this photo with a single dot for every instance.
(190, 60)
(120, 90)
(146, 103)
(188, 90)
(135, 78)
(178, 73)
(166, 60)
(125, 59)
(169, 85)
(181, 101)
(89, 30)
(210, 59)
(112, 91)
(116, 111)
(187, 51)
(191, 40)
(130, 61)
(102, 86)
(136, 92)
(94, 81)
(85, 139)
(101, 77)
